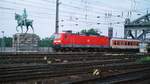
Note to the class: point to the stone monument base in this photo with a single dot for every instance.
(26, 42)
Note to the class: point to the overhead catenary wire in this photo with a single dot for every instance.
(46, 0)
(65, 13)
(70, 12)
(92, 12)
(19, 3)
(13, 10)
(82, 21)
(94, 18)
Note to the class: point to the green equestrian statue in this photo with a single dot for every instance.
(23, 21)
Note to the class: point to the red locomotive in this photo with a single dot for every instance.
(69, 41)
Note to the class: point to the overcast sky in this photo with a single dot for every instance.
(73, 15)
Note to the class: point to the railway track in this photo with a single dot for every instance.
(62, 57)
(34, 66)
(119, 78)
(57, 70)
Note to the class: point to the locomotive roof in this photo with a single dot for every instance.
(81, 34)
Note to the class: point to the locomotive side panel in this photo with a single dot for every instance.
(90, 41)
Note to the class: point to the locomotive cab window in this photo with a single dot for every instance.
(52, 37)
(57, 36)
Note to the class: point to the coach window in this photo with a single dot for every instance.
(118, 43)
(137, 43)
(125, 43)
(121, 42)
(128, 43)
(132, 43)
(114, 42)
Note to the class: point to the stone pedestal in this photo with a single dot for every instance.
(26, 42)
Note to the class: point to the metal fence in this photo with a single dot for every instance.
(14, 49)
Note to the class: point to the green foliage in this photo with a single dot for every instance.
(93, 32)
(83, 31)
(7, 42)
(144, 60)
(46, 42)
(90, 32)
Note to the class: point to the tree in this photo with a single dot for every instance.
(7, 41)
(83, 31)
(93, 32)
(46, 42)
(90, 32)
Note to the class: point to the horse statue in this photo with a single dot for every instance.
(21, 21)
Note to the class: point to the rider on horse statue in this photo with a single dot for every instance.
(24, 15)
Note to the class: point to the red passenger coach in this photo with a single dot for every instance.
(70, 40)
(124, 43)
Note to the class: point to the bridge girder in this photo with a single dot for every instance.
(137, 29)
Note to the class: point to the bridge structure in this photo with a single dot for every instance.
(138, 29)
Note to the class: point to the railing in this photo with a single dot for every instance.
(14, 49)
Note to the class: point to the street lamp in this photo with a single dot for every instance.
(3, 33)
(3, 42)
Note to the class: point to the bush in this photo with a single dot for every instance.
(46, 42)
(144, 60)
